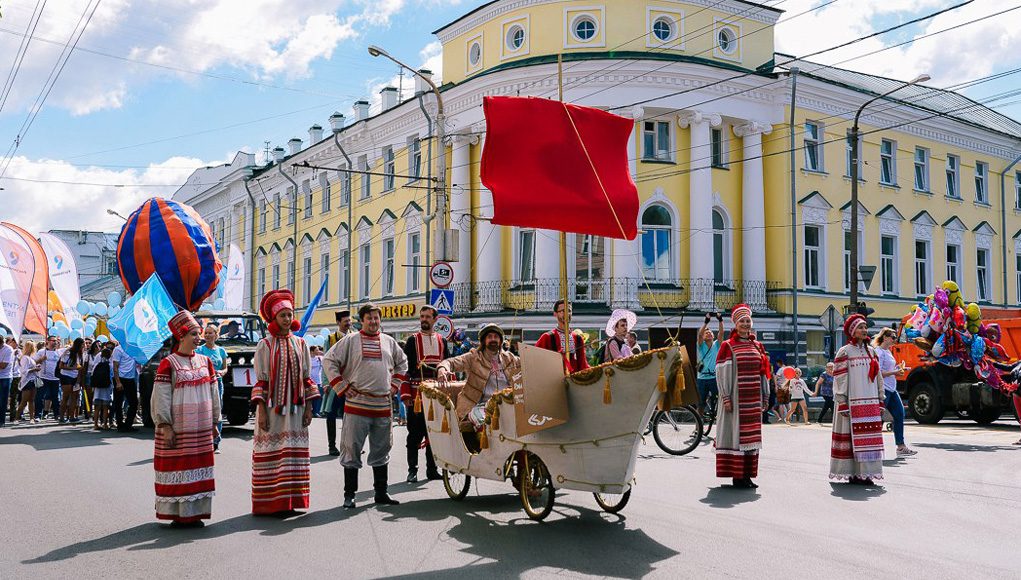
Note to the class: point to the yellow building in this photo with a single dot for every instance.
(711, 154)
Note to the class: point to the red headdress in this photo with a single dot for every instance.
(181, 324)
(851, 324)
(272, 303)
(740, 311)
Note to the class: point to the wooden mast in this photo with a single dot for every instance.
(563, 248)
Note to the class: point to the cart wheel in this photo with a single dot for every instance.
(612, 502)
(456, 484)
(678, 431)
(537, 493)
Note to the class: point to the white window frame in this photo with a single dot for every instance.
(279, 207)
(389, 266)
(655, 14)
(292, 204)
(660, 151)
(366, 188)
(954, 268)
(470, 67)
(719, 24)
(414, 159)
(414, 277)
(983, 290)
(814, 143)
(1017, 190)
(262, 281)
(264, 215)
(573, 15)
(847, 258)
(365, 270)
(291, 274)
(922, 170)
(307, 279)
(981, 182)
(888, 271)
(726, 257)
(389, 169)
(345, 187)
(324, 272)
(508, 28)
(888, 162)
(306, 189)
(953, 173)
(718, 140)
(324, 184)
(814, 255)
(344, 284)
(525, 270)
(659, 272)
(922, 266)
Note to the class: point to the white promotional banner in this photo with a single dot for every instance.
(63, 274)
(17, 269)
(234, 290)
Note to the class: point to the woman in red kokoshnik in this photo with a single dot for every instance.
(283, 395)
(856, 452)
(742, 374)
(185, 406)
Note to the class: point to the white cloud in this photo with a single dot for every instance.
(429, 58)
(965, 53)
(36, 199)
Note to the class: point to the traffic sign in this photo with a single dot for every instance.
(444, 326)
(442, 300)
(831, 319)
(441, 274)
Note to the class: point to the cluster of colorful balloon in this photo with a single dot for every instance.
(92, 321)
(954, 334)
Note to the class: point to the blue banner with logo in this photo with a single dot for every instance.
(312, 307)
(141, 325)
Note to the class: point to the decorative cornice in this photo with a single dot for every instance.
(753, 127)
(695, 117)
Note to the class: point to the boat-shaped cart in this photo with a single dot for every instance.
(594, 450)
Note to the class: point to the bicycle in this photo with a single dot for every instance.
(709, 414)
(677, 431)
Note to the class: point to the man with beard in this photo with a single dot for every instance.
(333, 406)
(424, 350)
(556, 339)
(489, 368)
(368, 367)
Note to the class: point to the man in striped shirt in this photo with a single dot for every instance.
(366, 367)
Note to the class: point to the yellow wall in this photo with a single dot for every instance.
(624, 26)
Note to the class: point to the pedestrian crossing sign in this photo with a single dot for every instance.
(442, 300)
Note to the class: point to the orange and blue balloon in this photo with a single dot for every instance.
(170, 239)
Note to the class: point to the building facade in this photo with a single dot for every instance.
(711, 154)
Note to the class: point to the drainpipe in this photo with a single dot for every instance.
(428, 193)
(251, 241)
(1003, 222)
(350, 226)
(294, 212)
(794, 220)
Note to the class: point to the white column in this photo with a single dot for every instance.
(753, 206)
(460, 206)
(547, 268)
(700, 206)
(489, 250)
(625, 277)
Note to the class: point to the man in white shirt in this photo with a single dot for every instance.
(6, 376)
(125, 376)
(47, 359)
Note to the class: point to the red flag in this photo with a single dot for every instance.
(561, 167)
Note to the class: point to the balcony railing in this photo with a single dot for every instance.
(539, 295)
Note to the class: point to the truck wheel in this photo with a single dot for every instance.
(926, 405)
(237, 416)
(986, 416)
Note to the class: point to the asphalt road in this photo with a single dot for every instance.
(80, 504)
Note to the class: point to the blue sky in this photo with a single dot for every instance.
(292, 63)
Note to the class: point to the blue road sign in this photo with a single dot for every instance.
(442, 300)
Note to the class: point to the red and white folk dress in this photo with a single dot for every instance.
(741, 375)
(185, 396)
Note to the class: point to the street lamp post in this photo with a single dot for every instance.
(113, 213)
(440, 185)
(855, 135)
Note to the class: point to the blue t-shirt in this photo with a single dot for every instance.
(707, 357)
(826, 388)
(218, 355)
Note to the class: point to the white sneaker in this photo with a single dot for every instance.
(906, 452)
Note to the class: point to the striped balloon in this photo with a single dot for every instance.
(171, 239)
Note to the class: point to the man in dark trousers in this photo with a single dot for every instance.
(424, 350)
(333, 406)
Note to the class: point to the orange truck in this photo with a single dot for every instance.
(931, 389)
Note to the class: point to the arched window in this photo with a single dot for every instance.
(657, 251)
(721, 248)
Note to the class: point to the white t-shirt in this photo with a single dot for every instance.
(29, 370)
(886, 364)
(126, 363)
(65, 359)
(7, 356)
(48, 361)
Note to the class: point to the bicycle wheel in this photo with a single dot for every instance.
(678, 431)
(537, 493)
(652, 423)
(612, 502)
(708, 420)
(456, 484)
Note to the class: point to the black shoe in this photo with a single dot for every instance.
(750, 484)
(185, 525)
(349, 502)
(413, 476)
(384, 499)
(334, 451)
(433, 475)
(379, 483)
(350, 486)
